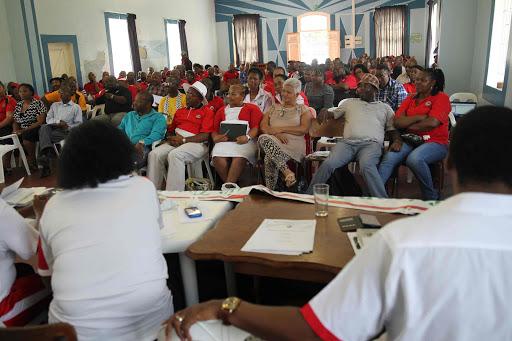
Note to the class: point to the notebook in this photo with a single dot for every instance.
(234, 129)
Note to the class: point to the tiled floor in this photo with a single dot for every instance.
(211, 273)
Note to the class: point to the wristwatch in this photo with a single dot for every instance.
(142, 142)
(248, 138)
(228, 306)
(184, 140)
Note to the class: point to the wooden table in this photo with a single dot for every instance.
(332, 249)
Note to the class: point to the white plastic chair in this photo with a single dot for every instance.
(61, 144)
(197, 165)
(98, 108)
(4, 149)
(464, 97)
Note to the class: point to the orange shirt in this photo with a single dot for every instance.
(54, 97)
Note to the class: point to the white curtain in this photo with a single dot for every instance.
(247, 37)
(390, 30)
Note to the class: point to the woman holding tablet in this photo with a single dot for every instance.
(229, 158)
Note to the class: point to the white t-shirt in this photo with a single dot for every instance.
(263, 100)
(364, 120)
(16, 237)
(103, 248)
(442, 275)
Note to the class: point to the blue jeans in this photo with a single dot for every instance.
(417, 159)
(367, 153)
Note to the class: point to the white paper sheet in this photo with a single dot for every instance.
(280, 236)
(168, 219)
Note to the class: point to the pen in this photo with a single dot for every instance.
(227, 132)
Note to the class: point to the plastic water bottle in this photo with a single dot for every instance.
(301, 186)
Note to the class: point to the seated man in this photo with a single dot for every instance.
(215, 79)
(410, 87)
(390, 91)
(192, 127)
(365, 123)
(441, 275)
(76, 96)
(143, 126)
(214, 102)
(56, 83)
(405, 77)
(156, 87)
(117, 100)
(61, 117)
(123, 82)
(93, 87)
(23, 295)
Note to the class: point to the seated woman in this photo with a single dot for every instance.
(284, 126)
(256, 94)
(278, 86)
(410, 87)
(108, 274)
(426, 115)
(29, 115)
(319, 94)
(7, 106)
(245, 148)
(174, 99)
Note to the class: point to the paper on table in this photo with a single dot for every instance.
(184, 218)
(352, 237)
(280, 236)
(167, 230)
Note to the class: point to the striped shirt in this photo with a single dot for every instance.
(393, 94)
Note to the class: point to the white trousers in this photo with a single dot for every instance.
(176, 158)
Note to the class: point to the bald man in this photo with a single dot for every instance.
(143, 126)
(117, 100)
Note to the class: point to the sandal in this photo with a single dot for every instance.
(290, 180)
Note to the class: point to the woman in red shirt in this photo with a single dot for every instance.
(425, 115)
(244, 148)
(7, 106)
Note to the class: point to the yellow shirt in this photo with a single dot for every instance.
(172, 106)
(54, 97)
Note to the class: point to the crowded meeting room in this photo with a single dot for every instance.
(255, 170)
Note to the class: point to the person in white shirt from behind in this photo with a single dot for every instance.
(441, 275)
(100, 241)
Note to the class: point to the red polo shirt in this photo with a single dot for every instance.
(437, 106)
(269, 80)
(133, 90)
(216, 103)
(328, 76)
(89, 87)
(271, 89)
(141, 86)
(229, 76)
(350, 80)
(203, 74)
(7, 103)
(194, 121)
(250, 113)
(410, 88)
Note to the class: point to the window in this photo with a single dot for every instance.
(172, 32)
(118, 43)
(314, 38)
(497, 61)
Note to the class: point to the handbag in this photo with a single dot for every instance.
(412, 139)
(198, 184)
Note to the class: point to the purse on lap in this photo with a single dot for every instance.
(412, 139)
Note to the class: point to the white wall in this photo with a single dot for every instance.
(7, 72)
(87, 22)
(418, 24)
(457, 43)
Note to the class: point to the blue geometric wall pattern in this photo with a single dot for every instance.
(278, 16)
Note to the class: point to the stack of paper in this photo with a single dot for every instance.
(284, 237)
(13, 194)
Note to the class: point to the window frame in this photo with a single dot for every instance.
(169, 21)
(490, 94)
(299, 19)
(112, 15)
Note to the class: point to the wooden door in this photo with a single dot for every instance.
(62, 59)
(334, 44)
(293, 46)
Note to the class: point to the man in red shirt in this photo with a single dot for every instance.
(122, 81)
(410, 87)
(230, 74)
(191, 127)
(93, 87)
(214, 102)
(200, 73)
(269, 78)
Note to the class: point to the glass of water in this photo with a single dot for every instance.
(321, 192)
